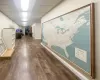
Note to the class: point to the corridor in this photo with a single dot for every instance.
(49, 40)
(30, 61)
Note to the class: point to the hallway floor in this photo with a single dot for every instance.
(31, 61)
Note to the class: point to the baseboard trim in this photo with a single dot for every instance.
(77, 73)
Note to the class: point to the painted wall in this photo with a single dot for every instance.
(23, 29)
(69, 5)
(33, 30)
(5, 22)
(36, 30)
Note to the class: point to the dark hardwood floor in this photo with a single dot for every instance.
(31, 61)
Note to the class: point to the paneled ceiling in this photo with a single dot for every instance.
(41, 7)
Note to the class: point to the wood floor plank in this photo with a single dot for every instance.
(30, 61)
(38, 70)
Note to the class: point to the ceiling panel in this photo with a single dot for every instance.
(43, 8)
(47, 2)
(40, 8)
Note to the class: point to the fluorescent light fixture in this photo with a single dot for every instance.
(24, 5)
(24, 14)
(24, 23)
(24, 19)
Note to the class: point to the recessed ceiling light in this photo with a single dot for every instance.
(24, 19)
(24, 15)
(24, 5)
(24, 23)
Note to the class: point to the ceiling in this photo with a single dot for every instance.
(40, 8)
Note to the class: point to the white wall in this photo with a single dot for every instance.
(5, 22)
(23, 29)
(33, 30)
(36, 30)
(69, 5)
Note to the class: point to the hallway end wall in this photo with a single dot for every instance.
(36, 30)
(69, 5)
